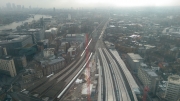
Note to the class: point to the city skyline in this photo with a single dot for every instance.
(91, 3)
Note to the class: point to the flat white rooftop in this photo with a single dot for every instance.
(174, 79)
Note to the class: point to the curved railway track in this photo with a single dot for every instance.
(109, 87)
(50, 87)
(121, 91)
(129, 79)
(47, 85)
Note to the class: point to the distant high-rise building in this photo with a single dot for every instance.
(8, 5)
(29, 7)
(173, 88)
(69, 16)
(54, 9)
(18, 7)
(13, 6)
(22, 6)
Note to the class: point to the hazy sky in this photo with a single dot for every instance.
(90, 3)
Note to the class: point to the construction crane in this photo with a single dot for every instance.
(36, 12)
(146, 90)
(88, 71)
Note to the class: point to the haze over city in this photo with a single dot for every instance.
(89, 50)
(91, 3)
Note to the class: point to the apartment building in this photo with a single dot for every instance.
(173, 88)
(149, 78)
(134, 60)
(7, 66)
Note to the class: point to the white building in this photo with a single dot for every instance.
(72, 51)
(134, 60)
(7, 66)
(48, 52)
(173, 88)
(50, 34)
(53, 30)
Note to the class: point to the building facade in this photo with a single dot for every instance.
(52, 66)
(48, 62)
(7, 66)
(173, 88)
(134, 60)
(37, 34)
(12, 42)
(20, 63)
(74, 37)
(148, 78)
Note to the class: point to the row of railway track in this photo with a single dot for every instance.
(122, 93)
(129, 80)
(51, 87)
(114, 86)
(108, 82)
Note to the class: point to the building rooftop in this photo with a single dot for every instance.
(135, 56)
(152, 73)
(71, 49)
(52, 61)
(75, 35)
(45, 41)
(53, 28)
(112, 26)
(174, 79)
(47, 31)
(33, 30)
(47, 53)
(6, 57)
(135, 60)
(149, 46)
(47, 57)
(13, 38)
(143, 65)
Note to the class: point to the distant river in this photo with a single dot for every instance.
(15, 24)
